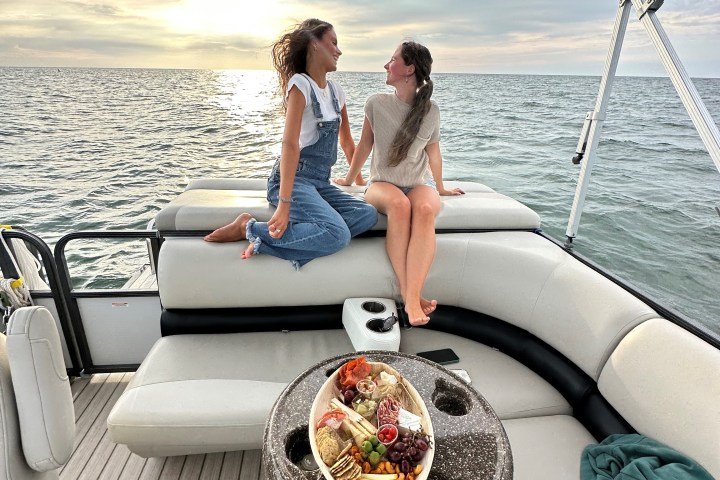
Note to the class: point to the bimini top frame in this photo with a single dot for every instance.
(592, 127)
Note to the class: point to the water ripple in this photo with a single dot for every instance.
(104, 148)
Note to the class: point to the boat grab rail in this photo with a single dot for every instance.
(67, 290)
(54, 278)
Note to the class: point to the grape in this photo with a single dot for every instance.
(399, 447)
(411, 451)
(418, 456)
(395, 456)
(405, 466)
(421, 444)
(348, 397)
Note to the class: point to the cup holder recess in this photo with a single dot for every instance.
(450, 399)
(298, 451)
(373, 307)
(381, 325)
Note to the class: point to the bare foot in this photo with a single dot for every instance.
(248, 252)
(232, 232)
(416, 316)
(428, 306)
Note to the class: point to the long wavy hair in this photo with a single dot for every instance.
(418, 55)
(290, 52)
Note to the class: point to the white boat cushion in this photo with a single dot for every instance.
(526, 280)
(209, 204)
(213, 393)
(512, 389)
(666, 382)
(547, 448)
(12, 458)
(193, 273)
(204, 393)
(42, 388)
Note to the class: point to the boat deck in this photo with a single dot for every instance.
(95, 456)
(143, 279)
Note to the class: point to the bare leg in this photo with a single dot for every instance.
(232, 232)
(391, 201)
(359, 180)
(425, 204)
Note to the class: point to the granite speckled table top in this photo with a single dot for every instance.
(470, 442)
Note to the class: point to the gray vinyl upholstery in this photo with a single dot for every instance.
(37, 419)
(42, 388)
(213, 393)
(211, 203)
(666, 383)
(516, 276)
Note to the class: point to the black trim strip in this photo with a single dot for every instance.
(129, 367)
(260, 319)
(113, 293)
(367, 234)
(579, 389)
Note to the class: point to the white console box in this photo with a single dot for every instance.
(357, 312)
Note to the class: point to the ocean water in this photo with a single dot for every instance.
(86, 149)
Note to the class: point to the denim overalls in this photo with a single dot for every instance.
(323, 218)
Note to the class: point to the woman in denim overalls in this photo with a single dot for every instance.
(313, 217)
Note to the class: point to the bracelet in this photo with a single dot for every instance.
(286, 199)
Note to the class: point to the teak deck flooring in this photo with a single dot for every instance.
(96, 457)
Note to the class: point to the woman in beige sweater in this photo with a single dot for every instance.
(402, 130)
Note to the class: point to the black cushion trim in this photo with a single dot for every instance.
(578, 388)
(234, 320)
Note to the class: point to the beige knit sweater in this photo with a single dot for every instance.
(386, 112)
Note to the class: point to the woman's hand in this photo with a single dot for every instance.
(279, 221)
(342, 181)
(454, 191)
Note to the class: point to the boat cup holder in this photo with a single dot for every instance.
(450, 399)
(373, 306)
(298, 451)
(382, 325)
(372, 323)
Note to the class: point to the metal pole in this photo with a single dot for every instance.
(695, 107)
(597, 117)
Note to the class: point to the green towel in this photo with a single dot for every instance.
(636, 457)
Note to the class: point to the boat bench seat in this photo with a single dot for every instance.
(207, 204)
(213, 392)
(223, 385)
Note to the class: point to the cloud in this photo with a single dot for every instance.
(489, 36)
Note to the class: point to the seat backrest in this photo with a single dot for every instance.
(41, 389)
(665, 381)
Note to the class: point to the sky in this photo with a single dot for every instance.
(474, 36)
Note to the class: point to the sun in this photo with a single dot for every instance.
(224, 17)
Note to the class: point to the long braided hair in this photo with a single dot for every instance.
(418, 55)
(290, 52)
